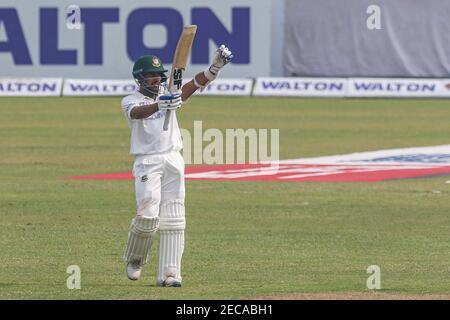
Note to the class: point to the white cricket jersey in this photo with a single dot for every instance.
(148, 135)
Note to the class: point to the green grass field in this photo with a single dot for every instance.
(243, 239)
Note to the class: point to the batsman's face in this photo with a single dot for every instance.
(152, 79)
(151, 83)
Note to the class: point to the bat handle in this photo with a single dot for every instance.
(167, 120)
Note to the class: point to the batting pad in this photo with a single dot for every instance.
(171, 241)
(140, 238)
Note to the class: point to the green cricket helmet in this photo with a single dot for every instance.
(148, 64)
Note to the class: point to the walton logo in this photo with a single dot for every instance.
(36, 42)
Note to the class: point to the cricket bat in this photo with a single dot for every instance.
(180, 60)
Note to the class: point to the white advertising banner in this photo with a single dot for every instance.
(281, 87)
(228, 87)
(105, 87)
(301, 87)
(395, 88)
(444, 90)
(94, 87)
(21, 87)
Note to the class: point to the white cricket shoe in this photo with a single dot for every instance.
(170, 282)
(134, 269)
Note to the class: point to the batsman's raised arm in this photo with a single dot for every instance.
(222, 57)
(149, 74)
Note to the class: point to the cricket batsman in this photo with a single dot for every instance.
(159, 167)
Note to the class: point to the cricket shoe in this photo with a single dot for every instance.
(170, 282)
(134, 269)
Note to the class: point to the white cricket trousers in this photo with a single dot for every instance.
(158, 179)
(160, 192)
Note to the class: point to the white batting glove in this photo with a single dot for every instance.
(169, 101)
(222, 57)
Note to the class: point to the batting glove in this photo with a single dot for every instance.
(222, 57)
(169, 101)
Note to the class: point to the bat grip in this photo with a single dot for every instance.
(167, 120)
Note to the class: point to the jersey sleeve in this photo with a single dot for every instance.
(127, 106)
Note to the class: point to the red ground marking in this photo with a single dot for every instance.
(296, 172)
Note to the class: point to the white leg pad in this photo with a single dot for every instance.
(140, 239)
(172, 225)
